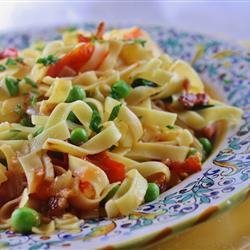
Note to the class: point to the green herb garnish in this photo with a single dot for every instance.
(18, 109)
(12, 86)
(140, 41)
(32, 101)
(2, 68)
(50, 59)
(115, 111)
(92, 106)
(143, 82)
(199, 107)
(11, 61)
(30, 82)
(38, 131)
(170, 127)
(95, 123)
(26, 121)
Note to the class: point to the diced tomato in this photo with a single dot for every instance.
(83, 39)
(87, 189)
(97, 58)
(191, 165)
(113, 169)
(74, 60)
(10, 52)
(133, 34)
(160, 180)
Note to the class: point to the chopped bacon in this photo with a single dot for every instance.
(209, 131)
(13, 187)
(190, 100)
(9, 52)
(100, 30)
(58, 158)
(43, 191)
(191, 165)
(58, 203)
(160, 180)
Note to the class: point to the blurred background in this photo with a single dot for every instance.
(224, 19)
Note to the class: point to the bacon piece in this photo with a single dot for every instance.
(190, 100)
(100, 30)
(160, 180)
(13, 187)
(9, 52)
(58, 203)
(209, 131)
(58, 158)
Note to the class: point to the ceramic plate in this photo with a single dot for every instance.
(223, 182)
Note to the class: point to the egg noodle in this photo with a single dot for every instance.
(143, 118)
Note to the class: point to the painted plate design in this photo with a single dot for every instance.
(224, 180)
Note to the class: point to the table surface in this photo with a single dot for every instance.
(230, 230)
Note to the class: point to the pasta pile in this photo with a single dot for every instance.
(97, 124)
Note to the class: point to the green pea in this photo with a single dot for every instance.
(23, 219)
(206, 144)
(152, 192)
(76, 93)
(78, 136)
(120, 90)
(192, 151)
(110, 195)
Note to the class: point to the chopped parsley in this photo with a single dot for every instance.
(10, 61)
(95, 123)
(26, 121)
(140, 41)
(170, 127)
(13, 61)
(199, 107)
(115, 111)
(30, 82)
(32, 100)
(18, 109)
(136, 41)
(38, 131)
(50, 59)
(2, 68)
(143, 82)
(12, 86)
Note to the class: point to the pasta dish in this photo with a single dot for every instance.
(96, 124)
